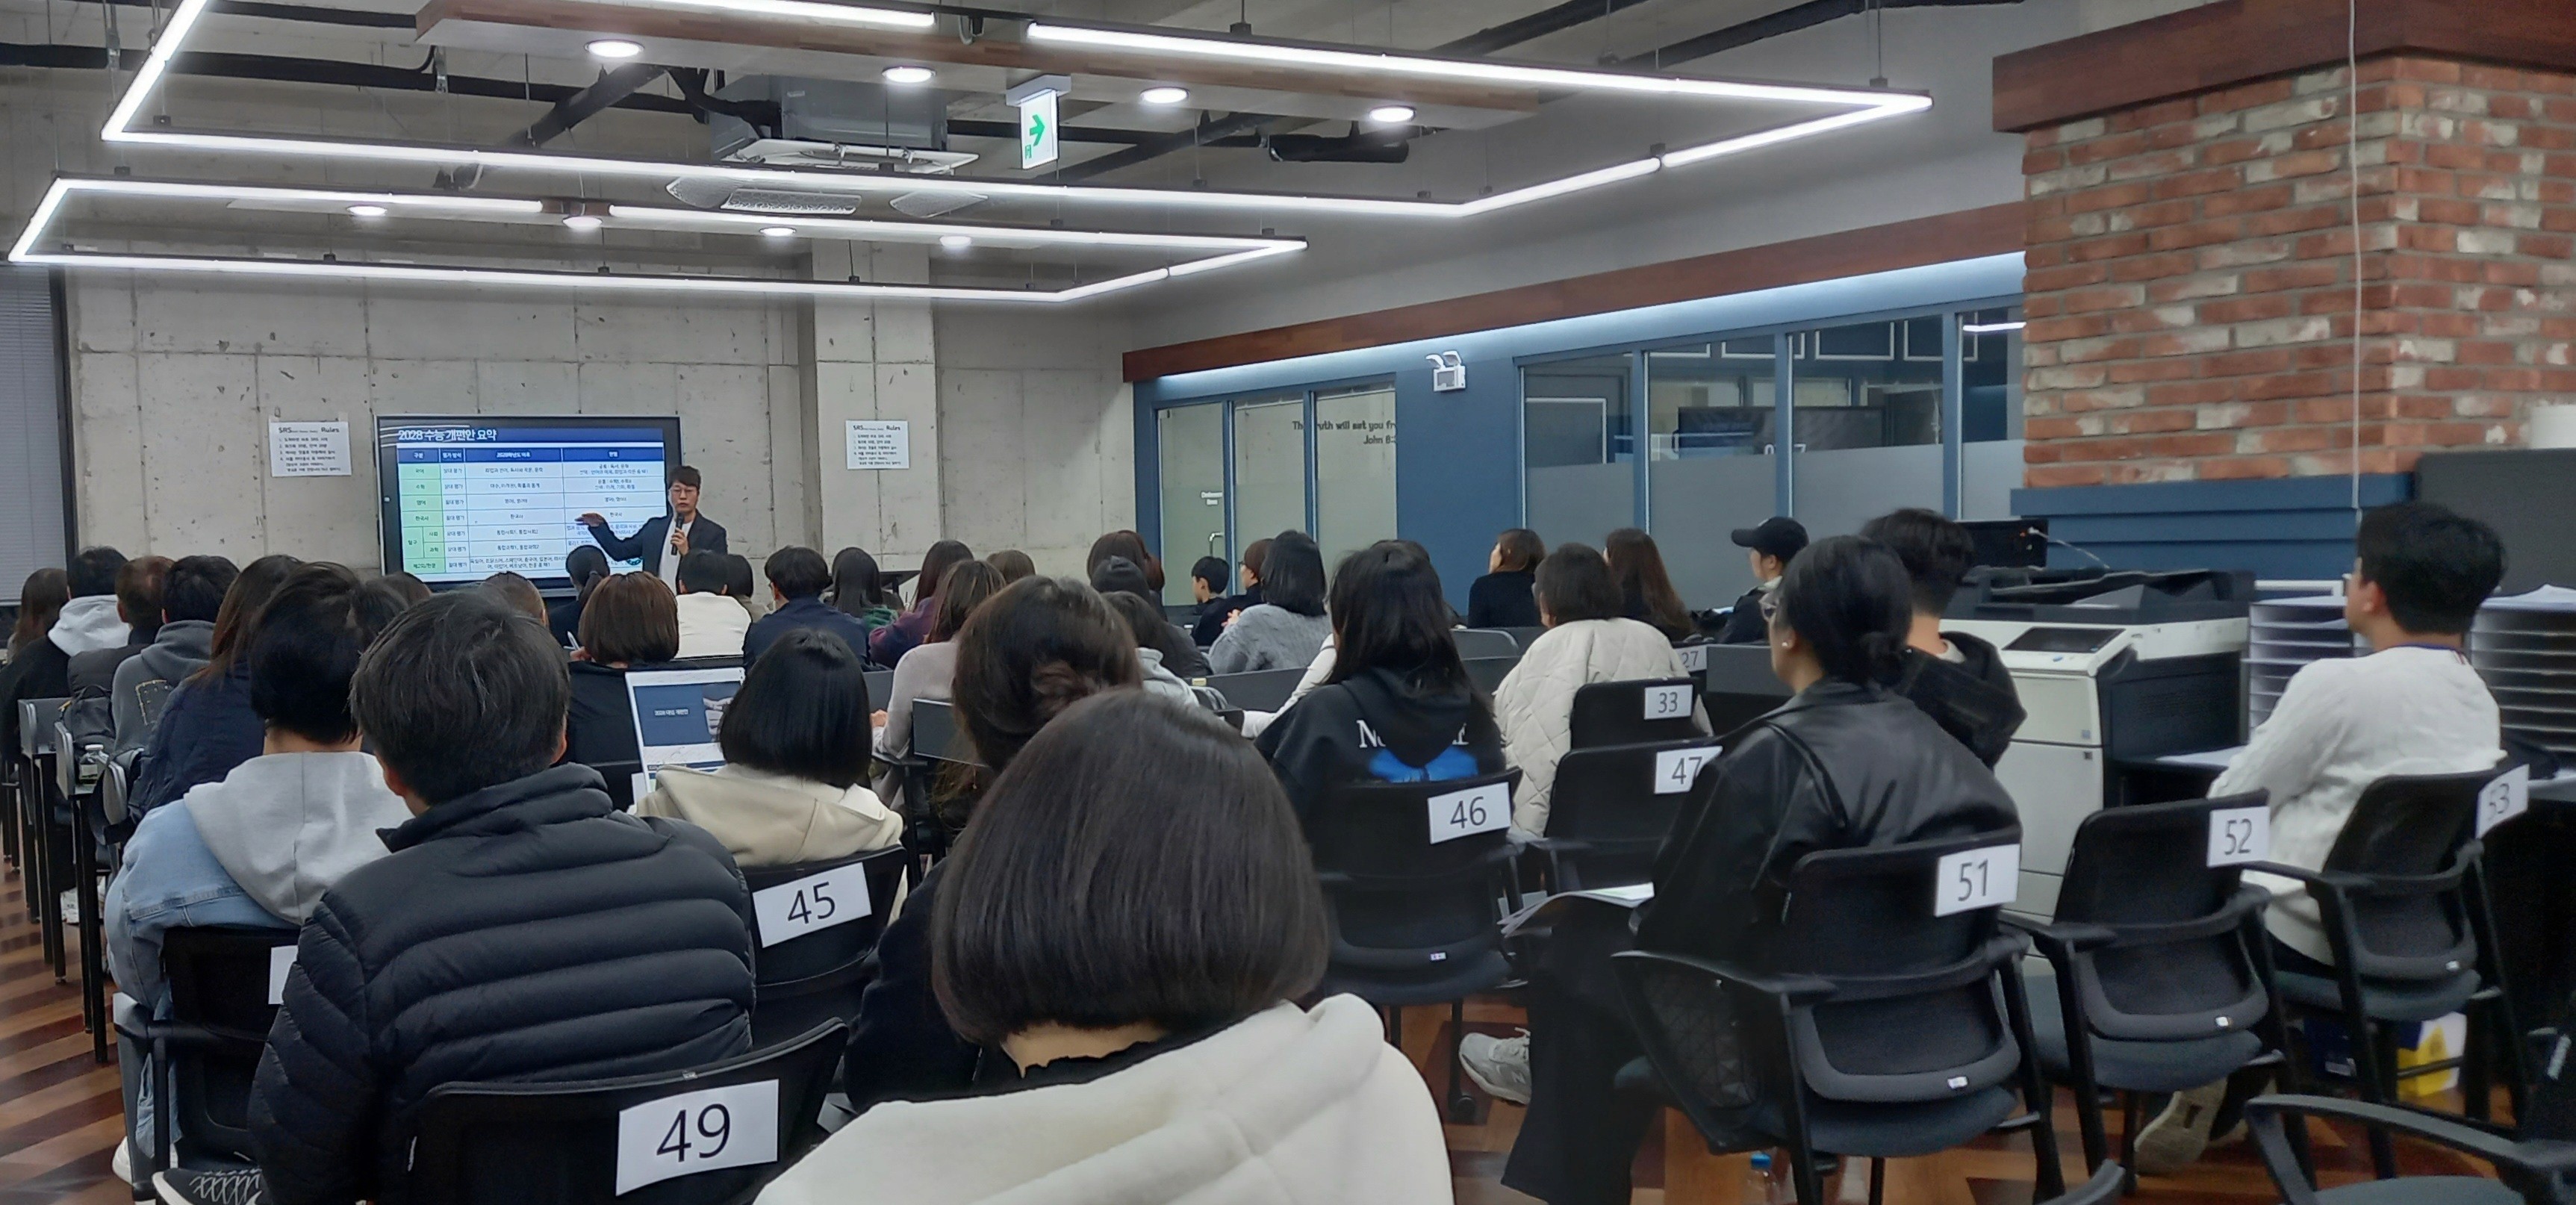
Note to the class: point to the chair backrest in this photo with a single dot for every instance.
(2162, 880)
(698, 1137)
(618, 779)
(36, 725)
(1738, 684)
(1523, 637)
(816, 923)
(225, 984)
(1488, 672)
(1642, 712)
(880, 685)
(113, 781)
(1260, 690)
(2410, 835)
(935, 734)
(1411, 870)
(1611, 808)
(1485, 642)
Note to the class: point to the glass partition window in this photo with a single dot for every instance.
(1354, 469)
(1866, 422)
(1269, 467)
(1190, 441)
(1990, 414)
(1578, 448)
(1712, 415)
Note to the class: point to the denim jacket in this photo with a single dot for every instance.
(171, 879)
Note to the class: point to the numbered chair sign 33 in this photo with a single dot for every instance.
(1977, 878)
(2239, 835)
(1668, 702)
(697, 1132)
(1469, 812)
(1677, 769)
(2505, 798)
(792, 910)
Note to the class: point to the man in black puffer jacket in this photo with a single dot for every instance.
(521, 930)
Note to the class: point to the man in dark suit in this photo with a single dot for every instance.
(662, 541)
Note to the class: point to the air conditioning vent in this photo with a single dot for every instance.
(934, 204)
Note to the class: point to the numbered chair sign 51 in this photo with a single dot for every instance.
(1668, 702)
(1469, 812)
(1677, 769)
(792, 910)
(1977, 878)
(2505, 798)
(2239, 835)
(697, 1132)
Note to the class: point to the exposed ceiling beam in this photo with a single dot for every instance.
(613, 85)
(1534, 26)
(1787, 20)
(294, 12)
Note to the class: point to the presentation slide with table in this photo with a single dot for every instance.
(466, 498)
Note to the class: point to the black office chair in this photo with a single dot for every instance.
(557, 1144)
(2161, 979)
(1634, 713)
(941, 780)
(223, 999)
(1485, 642)
(2405, 909)
(80, 761)
(2528, 1173)
(1413, 914)
(49, 830)
(1611, 808)
(1887, 1032)
(617, 778)
(826, 922)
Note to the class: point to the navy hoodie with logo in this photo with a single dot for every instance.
(1376, 727)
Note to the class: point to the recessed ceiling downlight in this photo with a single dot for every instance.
(1164, 94)
(1391, 114)
(616, 48)
(909, 74)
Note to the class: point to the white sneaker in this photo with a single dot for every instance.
(2177, 1136)
(122, 1162)
(1500, 1066)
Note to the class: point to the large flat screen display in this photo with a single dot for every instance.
(465, 498)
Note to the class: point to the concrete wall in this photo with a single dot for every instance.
(1039, 451)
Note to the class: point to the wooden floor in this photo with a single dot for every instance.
(60, 1118)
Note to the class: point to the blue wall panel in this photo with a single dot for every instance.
(1458, 467)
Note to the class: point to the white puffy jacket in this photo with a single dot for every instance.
(1535, 705)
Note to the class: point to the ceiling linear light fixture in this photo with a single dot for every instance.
(797, 10)
(1988, 328)
(367, 210)
(955, 242)
(779, 231)
(616, 48)
(865, 228)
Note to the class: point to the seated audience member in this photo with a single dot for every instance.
(1768, 546)
(888, 644)
(631, 622)
(1013, 563)
(40, 602)
(1130, 545)
(520, 931)
(859, 591)
(86, 623)
(138, 604)
(1777, 794)
(208, 726)
(1396, 678)
(413, 591)
(192, 595)
(1118, 575)
(1957, 679)
(925, 672)
(1024, 656)
(1646, 590)
(797, 579)
(1287, 626)
(795, 741)
(1220, 611)
(519, 592)
(2413, 706)
(260, 847)
(1502, 598)
(738, 584)
(1156, 641)
(585, 567)
(1588, 640)
(1208, 582)
(712, 623)
(1131, 922)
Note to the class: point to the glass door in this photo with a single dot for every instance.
(1712, 426)
(1865, 422)
(1578, 448)
(1269, 467)
(1354, 469)
(1190, 443)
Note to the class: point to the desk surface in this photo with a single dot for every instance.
(2561, 789)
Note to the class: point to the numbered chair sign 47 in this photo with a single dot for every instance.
(1677, 769)
(1668, 702)
(792, 910)
(2239, 835)
(697, 1132)
(1467, 813)
(2505, 798)
(1977, 878)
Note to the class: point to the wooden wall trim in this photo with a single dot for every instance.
(2238, 41)
(1965, 234)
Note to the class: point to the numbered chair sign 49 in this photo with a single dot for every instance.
(1469, 812)
(697, 1132)
(2239, 835)
(1668, 702)
(1677, 769)
(2505, 798)
(1977, 878)
(792, 910)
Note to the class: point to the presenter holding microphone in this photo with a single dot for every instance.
(662, 541)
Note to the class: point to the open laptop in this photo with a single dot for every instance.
(677, 715)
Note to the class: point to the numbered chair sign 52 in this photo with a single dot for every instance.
(2239, 835)
(792, 910)
(697, 1132)
(1677, 769)
(281, 959)
(2505, 798)
(1467, 813)
(1668, 702)
(1977, 878)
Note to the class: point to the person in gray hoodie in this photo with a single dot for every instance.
(1288, 626)
(261, 845)
(191, 594)
(87, 623)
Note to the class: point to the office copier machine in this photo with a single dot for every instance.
(2112, 667)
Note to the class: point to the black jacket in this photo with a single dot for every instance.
(563, 618)
(653, 540)
(1744, 624)
(1838, 766)
(1375, 728)
(39, 671)
(1503, 600)
(1211, 621)
(523, 933)
(207, 728)
(1973, 700)
(804, 613)
(901, 1047)
(599, 728)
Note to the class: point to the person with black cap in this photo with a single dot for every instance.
(1769, 545)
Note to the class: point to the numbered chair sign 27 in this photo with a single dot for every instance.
(697, 1132)
(1467, 813)
(1668, 702)
(792, 910)
(1677, 769)
(2239, 835)
(1977, 878)
(1694, 658)
(2505, 798)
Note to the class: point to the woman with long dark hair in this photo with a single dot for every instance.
(925, 672)
(888, 644)
(585, 567)
(208, 726)
(1503, 598)
(631, 622)
(1638, 566)
(1284, 629)
(1130, 545)
(39, 601)
(859, 589)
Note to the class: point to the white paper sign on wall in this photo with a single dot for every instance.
(308, 449)
(879, 445)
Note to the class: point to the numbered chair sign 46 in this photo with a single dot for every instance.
(2239, 835)
(792, 910)
(1469, 812)
(1977, 878)
(695, 1132)
(1677, 769)
(1668, 702)
(2505, 798)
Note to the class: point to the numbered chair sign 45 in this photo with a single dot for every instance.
(2239, 835)
(695, 1132)
(1469, 812)
(2505, 798)
(1677, 769)
(792, 910)
(1977, 878)
(1668, 702)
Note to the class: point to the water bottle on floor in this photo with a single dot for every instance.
(1768, 1183)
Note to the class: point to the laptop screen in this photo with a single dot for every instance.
(678, 713)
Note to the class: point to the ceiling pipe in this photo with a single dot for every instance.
(1787, 20)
